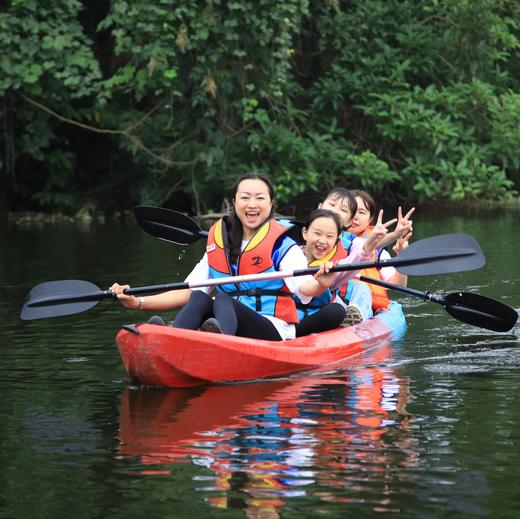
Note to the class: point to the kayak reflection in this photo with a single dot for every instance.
(272, 441)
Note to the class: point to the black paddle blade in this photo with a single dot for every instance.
(480, 311)
(44, 299)
(168, 225)
(448, 253)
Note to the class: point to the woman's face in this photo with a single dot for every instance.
(252, 205)
(320, 237)
(362, 217)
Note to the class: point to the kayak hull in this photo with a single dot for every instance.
(163, 356)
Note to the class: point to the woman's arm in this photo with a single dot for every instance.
(167, 300)
(399, 278)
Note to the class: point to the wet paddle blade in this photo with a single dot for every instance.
(480, 311)
(168, 225)
(448, 253)
(44, 299)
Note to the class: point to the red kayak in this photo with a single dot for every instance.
(163, 356)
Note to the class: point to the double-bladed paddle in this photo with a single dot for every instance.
(436, 255)
(469, 308)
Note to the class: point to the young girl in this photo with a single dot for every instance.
(322, 234)
(361, 226)
(248, 241)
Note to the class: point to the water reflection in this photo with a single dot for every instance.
(335, 438)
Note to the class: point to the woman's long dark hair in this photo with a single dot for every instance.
(234, 227)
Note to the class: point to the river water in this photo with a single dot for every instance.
(426, 427)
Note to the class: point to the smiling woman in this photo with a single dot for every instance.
(247, 241)
(254, 203)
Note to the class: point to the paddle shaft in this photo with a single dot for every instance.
(474, 309)
(155, 289)
(427, 296)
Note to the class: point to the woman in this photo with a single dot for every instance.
(322, 236)
(246, 242)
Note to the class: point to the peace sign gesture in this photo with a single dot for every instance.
(401, 244)
(379, 231)
(404, 224)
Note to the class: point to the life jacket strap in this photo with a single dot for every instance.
(305, 308)
(343, 298)
(257, 293)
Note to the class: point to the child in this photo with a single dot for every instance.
(321, 234)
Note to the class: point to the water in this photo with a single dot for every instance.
(426, 427)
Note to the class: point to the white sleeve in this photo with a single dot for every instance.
(295, 259)
(386, 272)
(200, 273)
(356, 255)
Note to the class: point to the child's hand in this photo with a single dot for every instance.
(324, 277)
(378, 232)
(404, 224)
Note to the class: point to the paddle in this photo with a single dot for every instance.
(453, 253)
(174, 227)
(168, 225)
(469, 308)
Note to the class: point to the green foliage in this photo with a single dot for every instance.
(45, 55)
(44, 47)
(416, 98)
(422, 83)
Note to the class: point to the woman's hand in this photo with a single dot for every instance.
(402, 243)
(404, 224)
(126, 300)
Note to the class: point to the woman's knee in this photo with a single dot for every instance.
(199, 295)
(200, 300)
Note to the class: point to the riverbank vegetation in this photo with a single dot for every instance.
(106, 105)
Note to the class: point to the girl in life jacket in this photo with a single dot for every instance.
(355, 297)
(248, 241)
(361, 226)
(322, 233)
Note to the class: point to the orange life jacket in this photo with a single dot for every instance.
(380, 299)
(263, 253)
